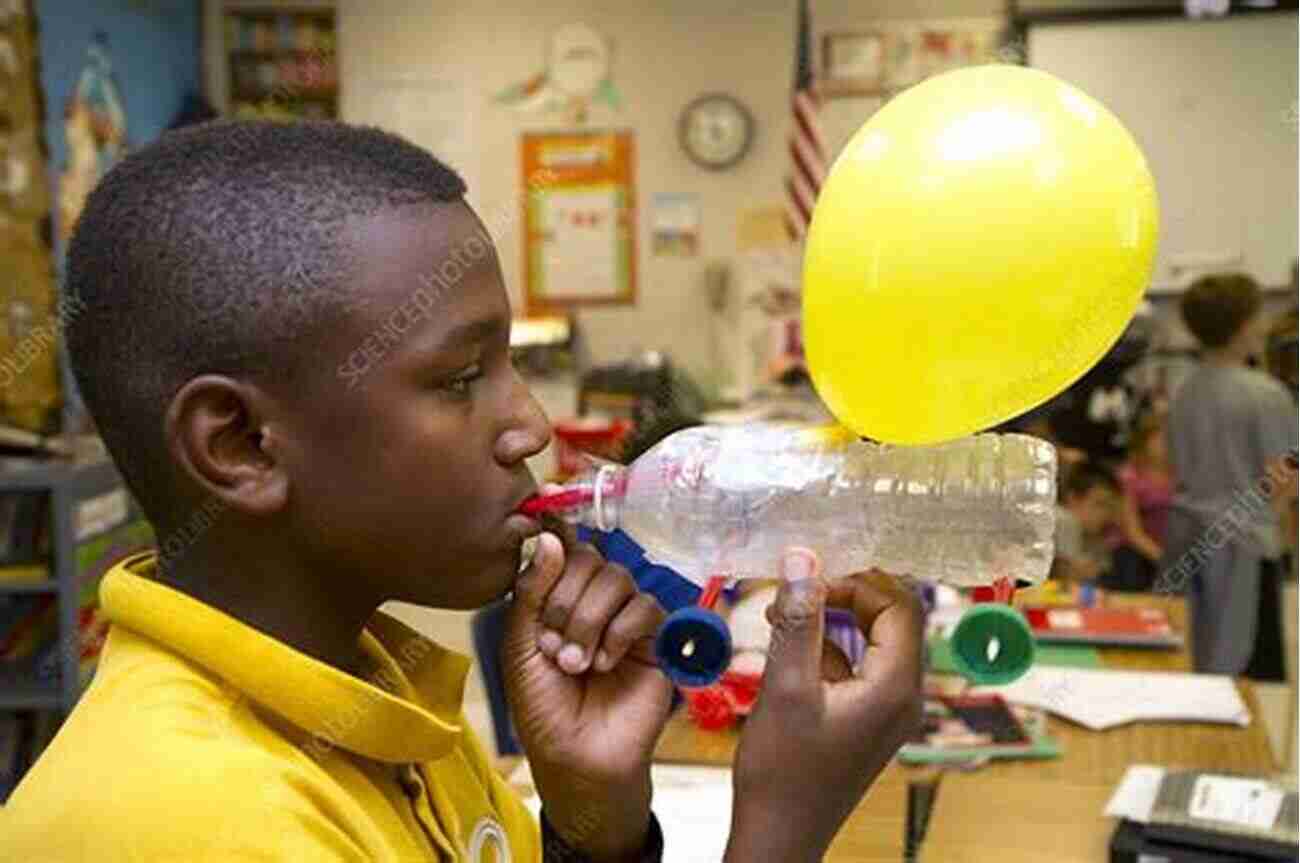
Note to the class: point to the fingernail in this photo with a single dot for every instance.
(603, 662)
(550, 642)
(799, 601)
(797, 566)
(572, 659)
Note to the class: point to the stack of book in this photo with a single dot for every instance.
(26, 623)
(23, 737)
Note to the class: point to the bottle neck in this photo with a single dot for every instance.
(594, 498)
(607, 489)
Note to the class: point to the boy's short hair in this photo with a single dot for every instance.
(1215, 307)
(219, 249)
(1083, 478)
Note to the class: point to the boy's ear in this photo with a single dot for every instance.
(214, 434)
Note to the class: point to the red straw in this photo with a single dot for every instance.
(557, 502)
(712, 589)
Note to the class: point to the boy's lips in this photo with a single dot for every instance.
(521, 527)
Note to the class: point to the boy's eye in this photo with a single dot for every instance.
(463, 382)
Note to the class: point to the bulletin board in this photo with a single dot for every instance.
(580, 219)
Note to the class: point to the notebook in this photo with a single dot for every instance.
(964, 729)
(1104, 699)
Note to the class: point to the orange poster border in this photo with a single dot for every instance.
(538, 177)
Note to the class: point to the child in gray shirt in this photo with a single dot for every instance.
(1230, 428)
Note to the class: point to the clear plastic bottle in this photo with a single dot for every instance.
(726, 500)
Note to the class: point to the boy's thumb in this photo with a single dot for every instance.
(535, 582)
(798, 626)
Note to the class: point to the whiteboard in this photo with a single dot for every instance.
(1212, 104)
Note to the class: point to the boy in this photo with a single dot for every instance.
(295, 343)
(1230, 430)
(1089, 494)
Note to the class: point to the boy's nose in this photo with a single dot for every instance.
(529, 432)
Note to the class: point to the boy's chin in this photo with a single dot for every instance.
(482, 587)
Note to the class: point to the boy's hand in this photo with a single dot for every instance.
(588, 699)
(812, 746)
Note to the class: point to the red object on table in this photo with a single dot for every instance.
(1139, 627)
(742, 689)
(710, 708)
(999, 591)
(588, 435)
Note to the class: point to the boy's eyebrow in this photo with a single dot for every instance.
(472, 332)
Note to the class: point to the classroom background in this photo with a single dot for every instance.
(646, 171)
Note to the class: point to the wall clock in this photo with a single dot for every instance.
(716, 131)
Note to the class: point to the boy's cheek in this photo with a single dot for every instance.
(352, 370)
(372, 349)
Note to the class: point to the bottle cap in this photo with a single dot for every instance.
(977, 629)
(693, 647)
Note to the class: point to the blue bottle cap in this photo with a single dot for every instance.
(693, 647)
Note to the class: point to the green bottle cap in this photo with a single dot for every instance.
(978, 628)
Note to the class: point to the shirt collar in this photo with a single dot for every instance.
(411, 711)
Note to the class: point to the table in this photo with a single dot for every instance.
(1027, 810)
(875, 830)
(1055, 806)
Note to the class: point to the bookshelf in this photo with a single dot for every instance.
(91, 522)
(281, 63)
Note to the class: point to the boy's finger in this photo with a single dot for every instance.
(608, 591)
(566, 532)
(795, 654)
(635, 624)
(581, 563)
(890, 616)
(540, 576)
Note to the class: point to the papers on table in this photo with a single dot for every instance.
(1104, 699)
(693, 805)
(1135, 797)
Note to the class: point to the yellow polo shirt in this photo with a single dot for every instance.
(201, 739)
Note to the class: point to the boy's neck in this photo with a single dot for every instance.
(281, 601)
(1225, 357)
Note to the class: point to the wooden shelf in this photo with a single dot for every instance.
(22, 690)
(10, 588)
(279, 54)
(18, 475)
(324, 13)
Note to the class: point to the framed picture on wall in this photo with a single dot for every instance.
(580, 219)
(853, 64)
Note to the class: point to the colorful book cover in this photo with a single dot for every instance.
(95, 557)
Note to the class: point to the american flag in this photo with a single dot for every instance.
(807, 149)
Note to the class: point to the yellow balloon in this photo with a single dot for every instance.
(978, 245)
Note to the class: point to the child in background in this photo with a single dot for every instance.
(1089, 493)
(1147, 490)
(1230, 430)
